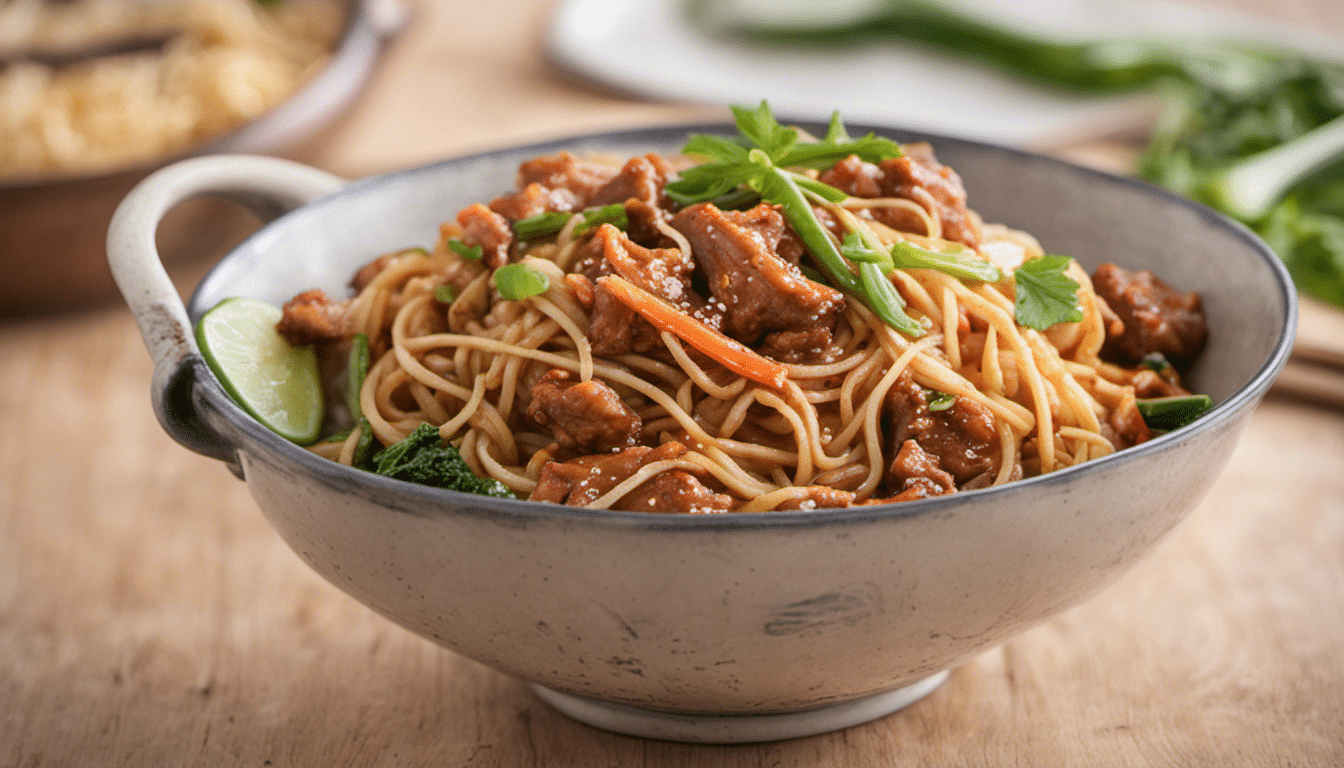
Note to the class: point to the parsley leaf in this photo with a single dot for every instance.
(1045, 295)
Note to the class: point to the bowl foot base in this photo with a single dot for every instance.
(736, 729)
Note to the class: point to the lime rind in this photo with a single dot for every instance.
(274, 381)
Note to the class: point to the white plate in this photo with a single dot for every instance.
(648, 48)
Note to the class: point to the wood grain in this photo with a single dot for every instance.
(150, 616)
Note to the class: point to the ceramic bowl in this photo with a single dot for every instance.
(709, 628)
(53, 226)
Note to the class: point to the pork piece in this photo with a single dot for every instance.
(312, 318)
(615, 329)
(760, 292)
(639, 187)
(1128, 423)
(917, 176)
(583, 416)
(675, 490)
(1155, 317)
(915, 474)
(580, 481)
(482, 226)
(560, 182)
(961, 439)
(820, 497)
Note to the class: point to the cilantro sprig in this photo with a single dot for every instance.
(761, 159)
(1045, 295)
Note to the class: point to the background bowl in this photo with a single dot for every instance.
(53, 227)
(710, 628)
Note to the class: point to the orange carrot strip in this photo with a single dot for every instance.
(731, 354)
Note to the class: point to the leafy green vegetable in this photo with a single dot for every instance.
(424, 458)
(759, 159)
(468, 252)
(518, 281)
(1045, 295)
(1173, 412)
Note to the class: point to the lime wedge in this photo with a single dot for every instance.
(275, 382)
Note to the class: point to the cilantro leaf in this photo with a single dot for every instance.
(424, 458)
(1045, 295)
(759, 127)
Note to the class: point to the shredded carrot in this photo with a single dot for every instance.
(731, 354)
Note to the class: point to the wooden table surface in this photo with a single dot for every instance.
(149, 615)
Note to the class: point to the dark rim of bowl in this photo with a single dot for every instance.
(354, 17)
(398, 495)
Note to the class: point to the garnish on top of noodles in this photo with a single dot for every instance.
(770, 321)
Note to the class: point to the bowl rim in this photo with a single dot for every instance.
(404, 496)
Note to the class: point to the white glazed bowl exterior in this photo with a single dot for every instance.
(776, 612)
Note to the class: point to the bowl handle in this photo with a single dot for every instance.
(269, 187)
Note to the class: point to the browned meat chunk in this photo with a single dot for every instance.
(820, 497)
(1155, 317)
(759, 291)
(961, 439)
(489, 230)
(916, 176)
(580, 481)
(312, 318)
(914, 474)
(1128, 424)
(641, 178)
(614, 329)
(674, 491)
(560, 182)
(639, 186)
(565, 171)
(583, 416)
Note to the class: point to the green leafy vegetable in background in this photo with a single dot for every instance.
(424, 458)
(1254, 131)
